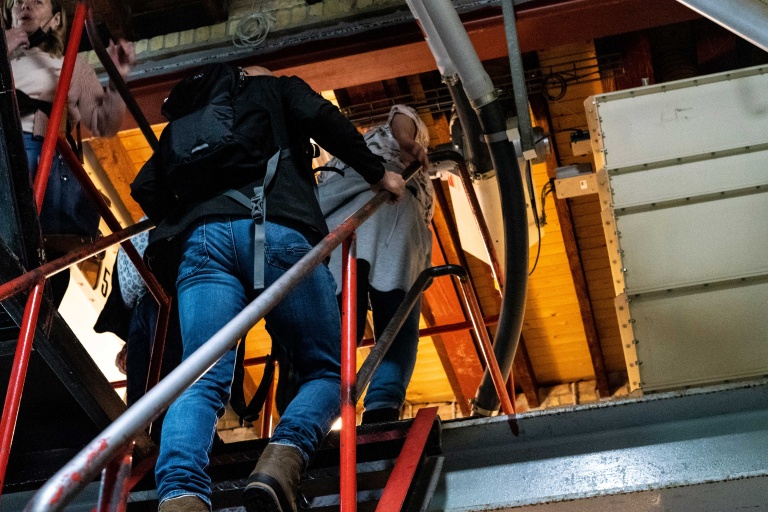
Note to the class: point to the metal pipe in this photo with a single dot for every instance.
(482, 97)
(517, 74)
(18, 376)
(440, 22)
(745, 18)
(348, 435)
(119, 83)
(29, 278)
(59, 101)
(84, 467)
(443, 60)
(515, 224)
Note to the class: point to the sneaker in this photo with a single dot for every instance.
(274, 483)
(185, 503)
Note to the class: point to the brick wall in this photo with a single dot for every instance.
(284, 16)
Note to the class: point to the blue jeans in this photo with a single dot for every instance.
(141, 335)
(390, 380)
(215, 283)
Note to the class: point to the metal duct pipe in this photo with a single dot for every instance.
(474, 150)
(442, 58)
(746, 18)
(445, 27)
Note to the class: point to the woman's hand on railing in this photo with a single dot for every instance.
(393, 183)
(123, 55)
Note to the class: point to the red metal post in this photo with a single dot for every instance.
(486, 347)
(400, 479)
(266, 414)
(18, 376)
(348, 446)
(113, 493)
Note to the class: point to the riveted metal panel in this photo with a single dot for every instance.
(682, 180)
(701, 335)
(682, 118)
(694, 243)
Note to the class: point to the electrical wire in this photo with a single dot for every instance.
(532, 197)
(547, 189)
(253, 29)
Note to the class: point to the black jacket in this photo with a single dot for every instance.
(283, 103)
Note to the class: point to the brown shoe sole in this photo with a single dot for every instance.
(265, 496)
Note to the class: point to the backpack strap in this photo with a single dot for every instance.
(258, 206)
(249, 411)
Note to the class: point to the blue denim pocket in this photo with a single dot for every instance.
(194, 253)
(285, 256)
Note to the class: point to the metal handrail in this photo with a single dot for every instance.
(46, 270)
(379, 350)
(153, 285)
(85, 466)
(36, 277)
(32, 308)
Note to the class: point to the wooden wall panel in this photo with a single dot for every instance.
(552, 326)
(567, 114)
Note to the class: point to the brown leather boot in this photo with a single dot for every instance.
(186, 503)
(274, 483)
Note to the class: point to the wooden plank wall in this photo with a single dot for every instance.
(566, 114)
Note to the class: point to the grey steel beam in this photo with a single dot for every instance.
(700, 449)
(746, 18)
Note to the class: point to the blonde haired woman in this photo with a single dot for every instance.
(35, 40)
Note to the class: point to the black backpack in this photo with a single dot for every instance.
(207, 132)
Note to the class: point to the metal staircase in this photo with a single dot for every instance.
(378, 449)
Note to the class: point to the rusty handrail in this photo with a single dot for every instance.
(31, 277)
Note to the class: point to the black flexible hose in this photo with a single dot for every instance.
(515, 224)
